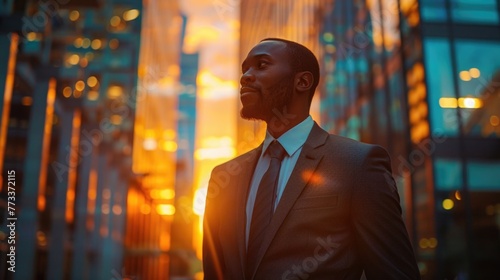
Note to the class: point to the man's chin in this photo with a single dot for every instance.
(251, 115)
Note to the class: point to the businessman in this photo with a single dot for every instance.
(305, 204)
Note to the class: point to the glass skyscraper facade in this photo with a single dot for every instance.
(421, 79)
(460, 45)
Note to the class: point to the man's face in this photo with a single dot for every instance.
(266, 81)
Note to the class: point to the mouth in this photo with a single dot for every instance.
(245, 90)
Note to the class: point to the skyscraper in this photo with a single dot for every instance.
(67, 119)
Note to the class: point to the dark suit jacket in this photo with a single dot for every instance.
(339, 215)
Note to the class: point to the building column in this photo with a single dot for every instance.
(8, 51)
(118, 213)
(96, 240)
(79, 267)
(35, 172)
(58, 229)
(106, 264)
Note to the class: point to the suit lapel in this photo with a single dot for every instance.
(309, 158)
(247, 163)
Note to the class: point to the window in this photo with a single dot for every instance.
(443, 115)
(483, 175)
(462, 11)
(477, 11)
(478, 71)
(448, 174)
(433, 10)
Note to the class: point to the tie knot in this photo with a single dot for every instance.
(275, 150)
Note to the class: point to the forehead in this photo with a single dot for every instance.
(274, 49)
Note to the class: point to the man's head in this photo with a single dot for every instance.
(278, 76)
(301, 59)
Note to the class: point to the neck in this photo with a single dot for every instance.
(279, 124)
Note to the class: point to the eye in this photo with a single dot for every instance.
(263, 64)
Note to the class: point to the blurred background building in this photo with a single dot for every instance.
(113, 114)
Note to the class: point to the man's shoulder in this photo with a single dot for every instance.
(351, 148)
(339, 142)
(345, 142)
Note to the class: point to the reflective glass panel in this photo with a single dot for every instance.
(447, 174)
(478, 72)
(483, 175)
(433, 10)
(443, 116)
(478, 11)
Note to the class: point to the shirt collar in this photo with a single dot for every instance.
(293, 139)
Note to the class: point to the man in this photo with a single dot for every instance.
(304, 204)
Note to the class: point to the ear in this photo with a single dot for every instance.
(303, 81)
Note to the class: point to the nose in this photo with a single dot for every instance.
(247, 77)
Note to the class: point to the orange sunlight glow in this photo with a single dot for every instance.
(213, 34)
(9, 83)
(155, 143)
(309, 175)
(214, 87)
(47, 132)
(73, 163)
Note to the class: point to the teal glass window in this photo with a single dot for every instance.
(478, 63)
(438, 71)
(483, 175)
(474, 11)
(448, 174)
(433, 10)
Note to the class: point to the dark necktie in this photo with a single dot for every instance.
(264, 204)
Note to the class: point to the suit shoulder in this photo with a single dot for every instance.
(349, 143)
(353, 149)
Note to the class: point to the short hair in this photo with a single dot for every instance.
(301, 59)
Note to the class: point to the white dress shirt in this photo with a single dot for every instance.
(292, 141)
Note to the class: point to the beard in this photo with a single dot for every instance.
(273, 99)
